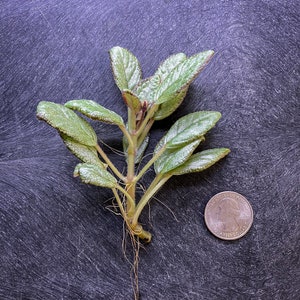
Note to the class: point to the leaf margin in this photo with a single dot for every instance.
(84, 134)
(184, 168)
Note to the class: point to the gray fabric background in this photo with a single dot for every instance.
(58, 240)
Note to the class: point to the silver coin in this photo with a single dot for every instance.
(228, 215)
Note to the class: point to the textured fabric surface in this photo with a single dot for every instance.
(58, 239)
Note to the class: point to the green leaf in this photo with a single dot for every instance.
(67, 122)
(201, 161)
(167, 108)
(147, 88)
(141, 150)
(172, 158)
(169, 85)
(126, 68)
(92, 174)
(86, 154)
(182, 76)
(95, 111)
(132, 101)
(189, 128)
(167, 66)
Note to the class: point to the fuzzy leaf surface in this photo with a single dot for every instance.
(201, 161)
(87, 154)
(167, 108)
(167, 66)
(95, 111)
(189, 128)
(131, 100)
(67, 122)
(148, 87)
(172, 158)
(181, 76)
(126, 68)
(95, 175)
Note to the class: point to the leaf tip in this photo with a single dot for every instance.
(40, 113)
(68, 104)
(209, 55)
(211, 52)
(226, 151)
(223, 152)
(76, 172)
(114, 48)
(216, 115)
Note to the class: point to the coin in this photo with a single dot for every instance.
(228, 215)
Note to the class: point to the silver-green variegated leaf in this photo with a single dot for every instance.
(87, 154)
(189, 128)
(147, 88)
(167, 66)
(126, 68)
(95, 175)
(172, 158)
(131, 100)
(167, 108)
(181, 76)
(67, 122)
(95, 111)
(201, 161)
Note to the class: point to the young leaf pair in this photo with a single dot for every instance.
(157, 96)
(148, 100)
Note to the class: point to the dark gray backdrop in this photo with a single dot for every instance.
(58, 240)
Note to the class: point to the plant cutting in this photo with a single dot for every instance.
(147, 100)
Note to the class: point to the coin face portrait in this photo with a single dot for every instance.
(228, 215)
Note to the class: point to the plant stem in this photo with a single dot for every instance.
(130, 167)
(156, 184)
(110, 164)
(145, 132)
(131, 121)
(149, 164)
(120, 204)
(129, 199)
(127, 134)
(140, 232)
(149, 115)
(138, 229)
(131, 152)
